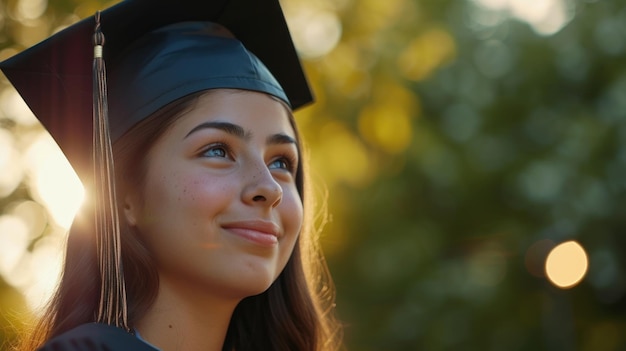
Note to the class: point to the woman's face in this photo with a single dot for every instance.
(219, 209)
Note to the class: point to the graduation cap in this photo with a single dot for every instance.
(54, 77)
(156, 51)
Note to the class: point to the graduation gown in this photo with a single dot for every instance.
(96, 337)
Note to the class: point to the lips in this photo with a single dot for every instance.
(262, 233)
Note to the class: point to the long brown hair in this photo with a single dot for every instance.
(295, 313)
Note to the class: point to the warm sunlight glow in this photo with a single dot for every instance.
(14, 239)
(31, 252)
(13, 107)
(54, 182)
(566, 264)
(44, 268)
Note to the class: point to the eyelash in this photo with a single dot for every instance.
(289, 160)
(213, 146)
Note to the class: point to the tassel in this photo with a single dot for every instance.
(112, 308)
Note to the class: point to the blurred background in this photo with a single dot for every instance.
(471, 154)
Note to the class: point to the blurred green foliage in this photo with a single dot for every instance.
(458, 145)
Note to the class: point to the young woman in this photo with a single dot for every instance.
(199, 238)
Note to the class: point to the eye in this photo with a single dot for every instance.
(215, 150)
(280, 163)
(283, 162)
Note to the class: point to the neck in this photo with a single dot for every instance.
(182, 318)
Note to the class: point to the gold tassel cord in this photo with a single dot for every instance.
(112, 308)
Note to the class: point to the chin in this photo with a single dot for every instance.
(251, 284)
(258, 286)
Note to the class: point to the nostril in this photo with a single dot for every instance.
(259, 198)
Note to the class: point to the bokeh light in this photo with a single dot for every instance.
(315, 30)
(11, 169)
(566, 264)
(41, 270)
(30, 9)
(546, 17)
(426, 52)
(14, 237)
(13, 106)
(359, 171)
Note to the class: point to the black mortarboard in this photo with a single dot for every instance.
(156, 51)
(54, 77)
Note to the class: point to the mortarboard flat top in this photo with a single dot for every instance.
(54, 77)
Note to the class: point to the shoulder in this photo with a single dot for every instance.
(95, 337)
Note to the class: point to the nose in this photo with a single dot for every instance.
(262, 189)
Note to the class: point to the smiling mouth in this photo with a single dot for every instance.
(259, 232)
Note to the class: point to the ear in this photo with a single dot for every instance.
(130, 210)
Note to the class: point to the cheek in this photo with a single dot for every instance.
(292, 211)
(175, 197)
(292, 215)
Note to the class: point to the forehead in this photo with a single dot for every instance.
(256, 112)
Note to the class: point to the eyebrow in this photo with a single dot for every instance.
(239, 132)
(281, 139)
(229, 128)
